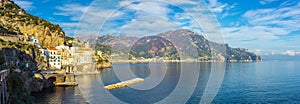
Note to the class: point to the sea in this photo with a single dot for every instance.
(185, 82)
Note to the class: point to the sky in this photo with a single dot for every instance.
(266, 27)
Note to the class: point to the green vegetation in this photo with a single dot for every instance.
(2, 60)
(104, 48)
(102, 60)
(18, 45)
(11, 6)
(69, 41)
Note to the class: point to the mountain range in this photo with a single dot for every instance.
(180, 44)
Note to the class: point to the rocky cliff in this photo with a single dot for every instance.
(24, 25)
(22, 59)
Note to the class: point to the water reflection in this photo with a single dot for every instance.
(159, 92)
(59, 95)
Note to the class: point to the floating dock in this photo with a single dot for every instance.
(124, 84)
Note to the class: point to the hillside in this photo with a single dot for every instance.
(16, 27)
(15, 21)
(153, 47)
(169, 45)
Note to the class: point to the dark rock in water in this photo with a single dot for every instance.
(38, 85)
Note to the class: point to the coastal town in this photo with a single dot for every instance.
(68, 61)
(61, 56)
(38, 68)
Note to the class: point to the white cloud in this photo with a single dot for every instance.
(73, 10)
(267, 1)
(264, 52)
(148, 26)
(265, 25)
(183, 2)
(190, 2)
(149, 8)
(266, 29)
(290, 53)
(73, 24)
(286, 18)
(197, 15)
(27, 5)
(265, 37)
(236, 35)
(219, 7)
(89, 18)
(288, 3)
(92, 17)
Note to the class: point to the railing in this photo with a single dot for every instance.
(3, 75)
(3, 87)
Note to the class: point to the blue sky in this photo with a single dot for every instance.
(264, 26)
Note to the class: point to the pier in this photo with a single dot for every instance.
(61, 78)
(4, 94)
(124, 84)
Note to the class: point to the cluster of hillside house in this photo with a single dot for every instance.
(62, 55)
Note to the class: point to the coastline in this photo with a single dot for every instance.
(151, 60)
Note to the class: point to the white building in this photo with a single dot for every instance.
(82, 55)
(35, 41)
(73, 50)
(62, 47)
(54, 58)
(65, 53)
(86, 57)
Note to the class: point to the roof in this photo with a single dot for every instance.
(51, 48)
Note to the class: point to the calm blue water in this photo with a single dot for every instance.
(265, 82)
(262, 82)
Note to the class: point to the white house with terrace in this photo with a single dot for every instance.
(54, 58)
